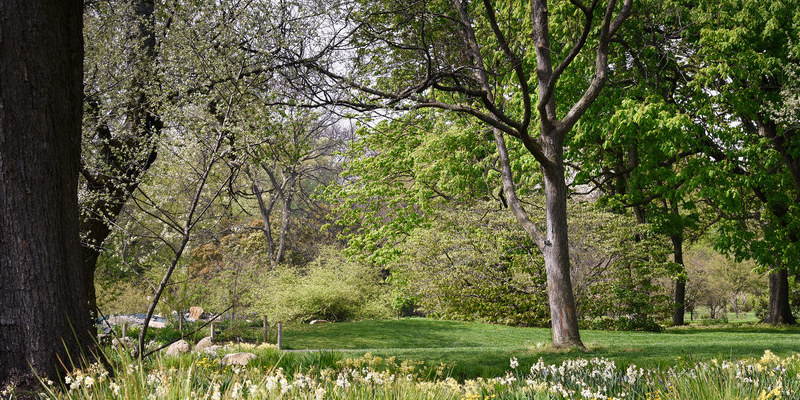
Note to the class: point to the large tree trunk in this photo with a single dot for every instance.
(553, 244)
(563, 315)
(779, 310)
(44, 321)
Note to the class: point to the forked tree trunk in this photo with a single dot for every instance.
(553, 244)
(779, 310)
(44, 320)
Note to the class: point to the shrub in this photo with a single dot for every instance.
(478, 264)
(332, 287)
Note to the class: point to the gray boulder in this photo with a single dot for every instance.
(211, 349)
(178, 348)
(238, 358)
(203, 344)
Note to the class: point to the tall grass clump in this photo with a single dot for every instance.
(317, 376)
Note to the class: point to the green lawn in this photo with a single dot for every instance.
(476, 349)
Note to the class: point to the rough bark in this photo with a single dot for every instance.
(43, 320)
(563, 313)
(779, 310)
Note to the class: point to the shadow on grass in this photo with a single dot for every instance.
(402, 334)
(483, 350)
(768, 329)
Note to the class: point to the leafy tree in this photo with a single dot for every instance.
(473, 263)
(147, 58)
(645, 145)
(285, 162)
(407, 58)
(747, 52)
(398, 172)
(121, 120)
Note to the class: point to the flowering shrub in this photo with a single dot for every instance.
(770, 377)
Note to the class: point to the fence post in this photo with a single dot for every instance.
(265, 329)
(280, 335)
(124, 329)
(213, 333)
(180, 323)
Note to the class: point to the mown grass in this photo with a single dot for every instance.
(477, 349)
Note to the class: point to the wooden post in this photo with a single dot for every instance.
(213, 333)
(180, 323)
(124, 329)
(280, 335)
(265, 329)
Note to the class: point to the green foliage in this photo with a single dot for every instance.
(617, 265)
(120, 297)
(399, 171)
(332, 287)
(474, 263)
(748, 52)
(404, 305)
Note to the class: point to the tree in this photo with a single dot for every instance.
(285, 160)
(407, 58)
(122, 122)
(44, 322)
(747, 50)
(645, 145)
(144, 57)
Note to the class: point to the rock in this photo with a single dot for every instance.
(178, 348)
(121, 319)
(203, 344)
(238, 358)
(211, 349)
(195, 312)
(156, 324)
(319, 321)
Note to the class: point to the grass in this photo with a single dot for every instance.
(476, 349)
